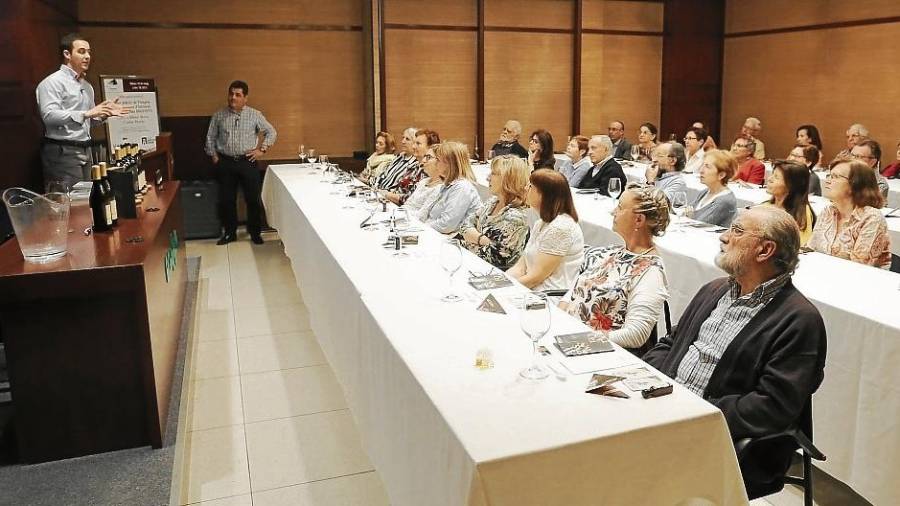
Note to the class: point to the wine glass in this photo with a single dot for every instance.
(399, 224)
(451, 261)
(535, 322)
(635, 152)
(311, 156)
(614, 188)
(679, 203)
(301, 153)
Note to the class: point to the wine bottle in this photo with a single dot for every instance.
(113, 207)
(99, 201)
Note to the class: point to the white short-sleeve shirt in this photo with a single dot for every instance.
(561, 237)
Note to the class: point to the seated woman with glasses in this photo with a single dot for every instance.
(622, 289)
(694, 140)
(457, 196)
(427, 188)
(380, 159)
(540, 150)
(789, 187)
(808, 156)
(555, 247)
(498, 230)
(647, 141)
(852, 227)
(716, 204)
(399, 180)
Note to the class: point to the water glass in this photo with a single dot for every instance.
(535, 322)
(451, 261)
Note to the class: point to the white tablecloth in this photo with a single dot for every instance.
(440, 431)
(857, 409)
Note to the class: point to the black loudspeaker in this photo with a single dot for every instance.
(200, 200)
(123, 187)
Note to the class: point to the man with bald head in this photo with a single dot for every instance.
(856, 134)
(603, 166)
(621, 146)
(509, 141)
(750, 343)
(750, 131)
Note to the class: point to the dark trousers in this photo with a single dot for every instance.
(232, 172)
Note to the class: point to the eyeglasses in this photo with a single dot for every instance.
(832, 175)
(747, 146)
(739, 231)
(428, 158)
(533, 140)
(690, 139)
(860, 157)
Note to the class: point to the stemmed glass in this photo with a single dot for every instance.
(614, 188)
(400, 223)
(535, 322)
(301, 153)
(311, 156)
(451, 261)
(679, 203)
(635, 152)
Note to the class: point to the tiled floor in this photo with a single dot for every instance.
(269, 425)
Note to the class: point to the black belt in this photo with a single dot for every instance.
(63, 142)
(242, 158)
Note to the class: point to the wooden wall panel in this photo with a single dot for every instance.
(339, 12)
(751, 15)
(620, 81)
(529, 13)
(306, 83)
(431, 12)
(431, 82)
(828, 86)
(528, 77)
(623, 15)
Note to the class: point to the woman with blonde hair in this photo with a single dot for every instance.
(852, 227)
(458, 196)
(716, 204)
(380, 159)
(498, 230)
(622, 289)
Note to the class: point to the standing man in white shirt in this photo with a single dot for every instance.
(233, 142)
(66, 101)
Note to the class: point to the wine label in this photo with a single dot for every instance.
(113, 209)
(107, 213)
(142, 179)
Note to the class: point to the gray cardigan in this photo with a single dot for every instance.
(718, 212)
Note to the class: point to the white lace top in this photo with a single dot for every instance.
(421, 198)
(561, 237)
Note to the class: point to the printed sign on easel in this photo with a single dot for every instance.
(141, 125)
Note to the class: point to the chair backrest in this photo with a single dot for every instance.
(895, 263)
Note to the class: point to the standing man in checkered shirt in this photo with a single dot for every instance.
(238, 135)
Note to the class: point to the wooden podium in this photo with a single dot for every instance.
(92, 338)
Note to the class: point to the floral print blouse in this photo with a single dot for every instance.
(863, 237)
(508, 232)
(615, 283)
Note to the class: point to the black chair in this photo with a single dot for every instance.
(895, 263)
(797, 437)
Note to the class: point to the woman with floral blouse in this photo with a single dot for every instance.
(622, 289)
(498, 230)
(852, 227)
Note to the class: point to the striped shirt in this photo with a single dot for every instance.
(63, 99)
(731, 315)
(390, 178)
(235, 133)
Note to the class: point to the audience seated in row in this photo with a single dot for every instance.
(555, 247)
(716, 204)
(868, 151)
(621, 146)
(603, 166)
(509, 141)
(751, 344)
(400, 177)
(497, 231)
(457, 196)
(808, 155)
(694, 143)
(808, 135)
(665, 171)
(380, 159)
(647, 141)
(578, 163)
(750, 170)
(622, 289)
(709, 144)
(540, 150)
(856, 133)
(892, 171)
(427, 188)
(750, 131)
(852, 226)
(789, 187)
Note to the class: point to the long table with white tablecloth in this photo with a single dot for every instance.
(857, 408)
(441, 432)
